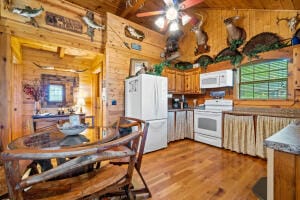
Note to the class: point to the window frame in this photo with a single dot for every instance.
(55, 103)
(264, 81)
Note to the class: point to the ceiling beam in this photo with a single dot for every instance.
(61, 52)
(16, 49)
(128, 12)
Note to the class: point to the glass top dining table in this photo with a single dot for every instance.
(54, 139)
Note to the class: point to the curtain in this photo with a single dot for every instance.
(239, 134)
(171, 126)
(180, 125)
(267, 126)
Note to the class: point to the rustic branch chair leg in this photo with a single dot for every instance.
(128, 192)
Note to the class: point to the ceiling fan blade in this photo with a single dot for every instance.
(169, 2)
(189, 3)
(146, 14)
(166, 25)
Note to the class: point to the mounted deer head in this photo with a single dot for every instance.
(201, 36)
(292, 22)
(234, 32)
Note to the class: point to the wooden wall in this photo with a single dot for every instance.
(117, 62)
(13, 25)
(253, 21)
(28, 72)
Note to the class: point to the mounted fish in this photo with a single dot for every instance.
(201, 37)
(59, 69)
(29, 12)
(91, 24)
(134, 33)
(235, 35)
(292, 22)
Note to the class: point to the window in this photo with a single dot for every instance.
(266, 80)
(56, 93)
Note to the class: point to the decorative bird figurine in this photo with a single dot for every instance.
(29, 12)
(92, 25)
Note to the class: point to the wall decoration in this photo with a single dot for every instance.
(235, 35)
(292, 22)
(92, 25)
(136, 46)
(59, 69)
(235, 56)
(171, 50)
(138, 66)
(30, 13)
(262, 42)
(183, 65)
(125, 43)
(62, 22)
(201, 37)
(204, 61)
(134, 33)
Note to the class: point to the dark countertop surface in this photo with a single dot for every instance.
(176, 109)
(273, 112)
(286, 140)
(52, 116)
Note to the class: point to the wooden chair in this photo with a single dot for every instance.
(98, 182)
(142, 126)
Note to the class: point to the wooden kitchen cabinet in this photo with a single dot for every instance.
(183, 81)
(179, 82)
(171, 75)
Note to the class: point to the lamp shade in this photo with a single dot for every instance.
(81, 102)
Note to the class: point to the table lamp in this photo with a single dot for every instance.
(80, 103)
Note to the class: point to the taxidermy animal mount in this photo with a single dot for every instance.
(235, 35)
(201, 37)
(292, 22)
(29, 12)
(134, 33)
(92, 25)
(59, 69)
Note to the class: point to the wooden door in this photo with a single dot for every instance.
(179, 82)
(171, 75)
(196, 81)
(188, 82)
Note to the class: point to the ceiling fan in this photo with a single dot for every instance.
(173, 14)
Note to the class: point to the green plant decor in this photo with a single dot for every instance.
(158, 68)
(235, 44)
(204, 61)
(263, 48)
(235, 60)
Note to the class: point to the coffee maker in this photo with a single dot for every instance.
(175, 103)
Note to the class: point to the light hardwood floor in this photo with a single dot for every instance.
(189, 170)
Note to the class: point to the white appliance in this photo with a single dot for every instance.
(146, 99)
(217, 79)
(208, 122)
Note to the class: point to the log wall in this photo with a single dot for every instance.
(117, 62)
(253, 21)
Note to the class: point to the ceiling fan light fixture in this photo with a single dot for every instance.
(174, 26)
(160, 22)
(172, 13)
(185, 19)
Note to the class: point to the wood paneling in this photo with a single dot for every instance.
(253, 21)
(31, 72)
(5, 89)
(117, 62)
(118, 7)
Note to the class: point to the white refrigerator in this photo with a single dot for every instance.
(146, 98)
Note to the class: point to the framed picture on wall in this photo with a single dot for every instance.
(136, 65)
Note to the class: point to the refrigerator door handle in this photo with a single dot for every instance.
(155, 88)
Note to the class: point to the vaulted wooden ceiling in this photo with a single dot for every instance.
(119, 8)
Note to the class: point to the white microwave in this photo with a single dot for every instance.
(217, 79)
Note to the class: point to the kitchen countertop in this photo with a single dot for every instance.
(178, 109)
(274, 112)
(286, 140)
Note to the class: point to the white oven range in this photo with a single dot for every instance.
(208, 122)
